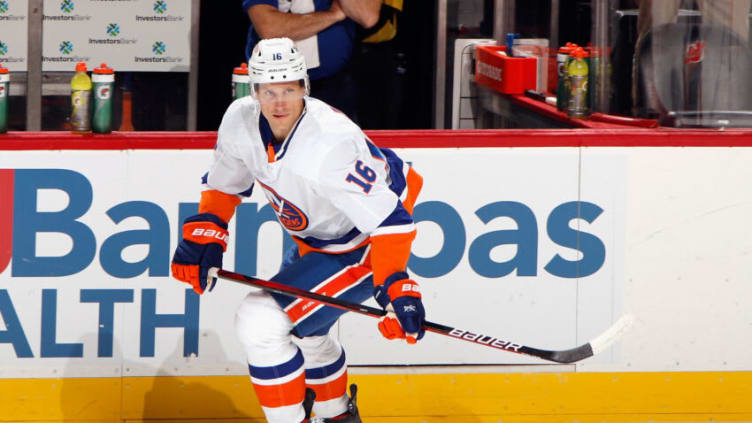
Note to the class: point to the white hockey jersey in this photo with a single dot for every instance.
(328, 184)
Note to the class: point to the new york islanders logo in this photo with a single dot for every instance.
(290, 216)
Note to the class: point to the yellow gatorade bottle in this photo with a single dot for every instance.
(578, 85)
(80, 119)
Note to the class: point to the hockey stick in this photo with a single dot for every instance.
(559, 356)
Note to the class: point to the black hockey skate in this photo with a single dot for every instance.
(310, 396)
(349, 416)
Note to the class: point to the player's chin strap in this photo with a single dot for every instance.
(572, 355)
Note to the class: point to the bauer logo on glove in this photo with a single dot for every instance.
(219, 235)
(204, 241)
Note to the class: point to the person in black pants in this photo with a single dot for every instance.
(380, 69)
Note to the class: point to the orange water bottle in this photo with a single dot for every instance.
(241, 82)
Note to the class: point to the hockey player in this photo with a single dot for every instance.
(348, 206)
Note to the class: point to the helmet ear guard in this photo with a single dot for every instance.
(277, 60)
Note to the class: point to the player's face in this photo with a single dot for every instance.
(281, 104)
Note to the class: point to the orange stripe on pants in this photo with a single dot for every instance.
(346, 280)
(330, 390)
(289, 393)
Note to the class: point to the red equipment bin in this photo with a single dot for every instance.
(507, 75)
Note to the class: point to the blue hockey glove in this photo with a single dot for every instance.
(400, 297)
(204, 241)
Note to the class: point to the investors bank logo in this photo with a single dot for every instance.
(158, 48)
(66, 47)
(5, 16)
(66, 6)
(113, 30)
(7, 58)
(160, 9)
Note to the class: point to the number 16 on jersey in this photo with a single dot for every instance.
(365, 177)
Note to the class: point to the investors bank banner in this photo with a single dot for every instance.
(129, 35)
(14, 34)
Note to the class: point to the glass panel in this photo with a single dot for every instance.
(13, 48)
(465, 19)
(685, 63)
(142, 101)
(17, 102)
(476, 21)
(146, 43)
(692, 63)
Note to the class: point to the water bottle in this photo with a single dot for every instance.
(578, 82)
(562, 87)
(80, 119)
(104, 80)
(595, 79)
(126, 115)
(241, 82)
(4, 94)
(510, 43)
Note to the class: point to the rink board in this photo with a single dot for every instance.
(537, 240)
(405, 398)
